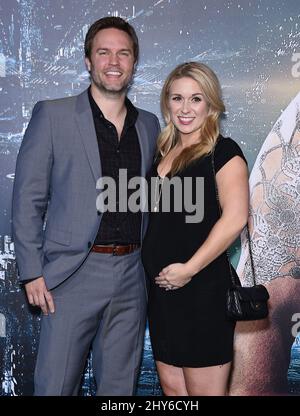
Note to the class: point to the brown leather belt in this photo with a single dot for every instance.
(115, 250)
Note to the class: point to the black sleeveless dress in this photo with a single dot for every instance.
(188, 326)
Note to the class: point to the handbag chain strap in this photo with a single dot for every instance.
(247, 227)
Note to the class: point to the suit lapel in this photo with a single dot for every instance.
(85, 122)
(144, 144)
(145, 162)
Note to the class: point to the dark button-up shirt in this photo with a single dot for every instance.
(118, 227)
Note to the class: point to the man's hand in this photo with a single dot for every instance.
(39, 295)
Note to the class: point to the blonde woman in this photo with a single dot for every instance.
(186, 261)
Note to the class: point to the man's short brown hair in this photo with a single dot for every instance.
(107, 23)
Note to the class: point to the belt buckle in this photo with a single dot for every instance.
(115, 250)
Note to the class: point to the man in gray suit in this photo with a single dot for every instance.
(81, 266)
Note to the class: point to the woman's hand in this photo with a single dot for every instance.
(174, 276)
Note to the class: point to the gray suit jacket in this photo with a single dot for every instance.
(56, 173)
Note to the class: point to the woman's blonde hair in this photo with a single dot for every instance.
(209, 131)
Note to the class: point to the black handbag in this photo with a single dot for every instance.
(243, 303)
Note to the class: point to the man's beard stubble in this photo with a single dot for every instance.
(110, 91)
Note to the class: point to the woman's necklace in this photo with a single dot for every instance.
(158, 191)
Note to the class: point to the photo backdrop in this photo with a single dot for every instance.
(253, 46)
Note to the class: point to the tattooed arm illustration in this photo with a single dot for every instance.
(262, 348)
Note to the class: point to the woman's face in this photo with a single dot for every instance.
(188, 107)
